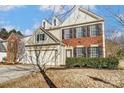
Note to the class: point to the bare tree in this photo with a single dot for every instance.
(20, 51)
(117, 15)
(39, 60)
(113, 32)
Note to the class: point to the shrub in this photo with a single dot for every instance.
(120, 53)
(108, 63)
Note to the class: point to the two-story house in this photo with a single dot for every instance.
(81, 34)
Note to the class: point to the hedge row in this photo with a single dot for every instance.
(108, 63)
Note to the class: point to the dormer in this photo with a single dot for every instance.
(46, 24)
(55, 22)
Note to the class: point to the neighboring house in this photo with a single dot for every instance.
(13, 47)
(81, 34)
(2, 50)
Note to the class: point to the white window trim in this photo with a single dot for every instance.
(103, 35)
(94, 45)
(89, 24)
(69, 47)
(78, 46)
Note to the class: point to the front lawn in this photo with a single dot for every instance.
(72, 78)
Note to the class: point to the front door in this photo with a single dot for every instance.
(69, 53)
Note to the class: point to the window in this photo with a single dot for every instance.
(79, 32)
(43, 24)
(40, 37)
(80, 52)
(54, 22)
(94, 52)
(67, 34)
(93, 30)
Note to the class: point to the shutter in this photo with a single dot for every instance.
(84, 51)
(62, 33)
(88, 52)
(74, 52)
(83, 29)
(97, 29)
(74, 31)
(38, 37)
(100, 29)
(71, 33)
(100, 51)
(88, 31)
(41, 36)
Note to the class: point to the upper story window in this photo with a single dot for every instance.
(96, 30)
(93, 30)
(40, 37)
(67, 34)
(80, 32)
(54, 22)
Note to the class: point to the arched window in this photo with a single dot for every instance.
(54, 22)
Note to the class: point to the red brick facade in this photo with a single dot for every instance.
(90, 37)
(85, 41)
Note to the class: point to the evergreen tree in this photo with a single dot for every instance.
(3, 33)
(12, 31)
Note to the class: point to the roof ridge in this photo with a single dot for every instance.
(90, 13)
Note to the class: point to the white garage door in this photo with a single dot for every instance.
(48, 57)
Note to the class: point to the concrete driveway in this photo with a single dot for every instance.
(10, 72)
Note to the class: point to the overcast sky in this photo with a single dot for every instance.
(28, 18)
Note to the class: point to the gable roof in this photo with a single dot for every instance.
(90, 13)
(50, 35)
(57, 41)
(80, 15)
(17, 36)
